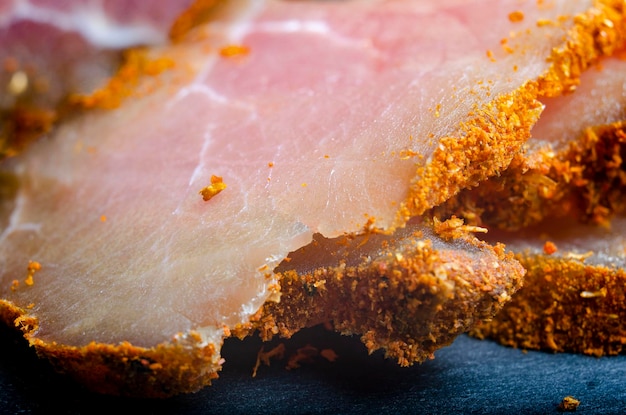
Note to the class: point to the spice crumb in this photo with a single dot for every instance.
(216, 186)
(516, 16)
(549, 248)
(234, 50)
(569, 404)
(33, 266)
(264, 357)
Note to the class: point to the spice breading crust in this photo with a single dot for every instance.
(586, 181)
(410, 300)
(565, 305)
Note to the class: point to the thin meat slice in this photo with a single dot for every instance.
(149, 233)
(50, 49)
(571, 173)
(409, 293)
(113, 24)
(573, 165)
(599, 99)
(573, 296)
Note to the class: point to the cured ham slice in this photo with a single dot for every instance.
(573, 294)
(573, 170)
(50, 48)
(572, 166)
(135, 240)
(409, 293)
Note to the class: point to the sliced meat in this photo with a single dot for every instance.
(290, 119)
(573, 296)
(113, 24)
(600, 99)
(410, 293)
(573, 165)
(49, 49)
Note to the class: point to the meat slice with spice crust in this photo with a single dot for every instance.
(571, 167)
(50, 49)
(135, 239)
(573, 295)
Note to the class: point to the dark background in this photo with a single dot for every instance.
(469, 377)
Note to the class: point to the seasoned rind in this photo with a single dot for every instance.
(585, 180)
(186, 364)
(488, 142)
(497, 134)
(565, 305)
(415, 296)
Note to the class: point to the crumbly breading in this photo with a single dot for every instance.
(565, 305)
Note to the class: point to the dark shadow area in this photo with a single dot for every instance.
(469, 377)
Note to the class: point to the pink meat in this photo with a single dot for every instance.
(314, 130)
(600, 99)
(67, 46)
(103, 23)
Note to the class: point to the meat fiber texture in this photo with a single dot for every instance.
(292, 119)
(52, 49)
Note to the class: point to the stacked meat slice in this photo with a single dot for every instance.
(275, 178)
(52, 48)
(573, 294)
(567, 194)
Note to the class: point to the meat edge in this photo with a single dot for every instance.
(408, 303)
(498, 130)
(565, 305)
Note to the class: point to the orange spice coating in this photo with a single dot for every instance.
(599, 32)
(183, 365)
(136, 64)
(586, 181)
(501, 127)
(494, 133)
(410, 300)
(565, 305)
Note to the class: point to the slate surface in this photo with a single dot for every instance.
(469, 377)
